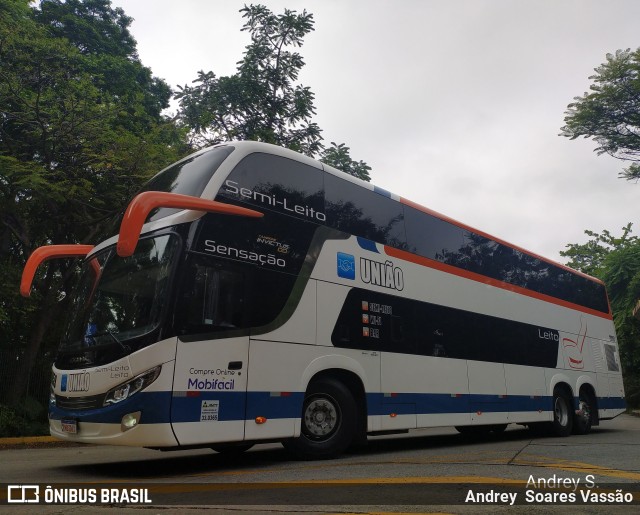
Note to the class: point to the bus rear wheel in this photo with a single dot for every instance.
(562, 413)
(328, 421)
(584, 416)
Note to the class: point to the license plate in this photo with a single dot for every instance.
(69, 426)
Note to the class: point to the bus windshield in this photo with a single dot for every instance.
(119, 299)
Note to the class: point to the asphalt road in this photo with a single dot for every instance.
(432, 471)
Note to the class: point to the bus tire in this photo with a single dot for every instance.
(562, 413)
(329, 418)
(584, 416)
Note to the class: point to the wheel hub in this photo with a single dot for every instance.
(320, 417)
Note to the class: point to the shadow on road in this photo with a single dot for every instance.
(161, 465)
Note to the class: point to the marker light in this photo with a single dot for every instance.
(261, 420)
(131, 387)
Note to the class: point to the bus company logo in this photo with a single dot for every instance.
(573, 348)
(346, 266)
(381, 274)
(75, 382)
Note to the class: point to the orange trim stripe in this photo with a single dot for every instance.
(436, 265)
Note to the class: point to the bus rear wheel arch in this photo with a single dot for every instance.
(329, 420)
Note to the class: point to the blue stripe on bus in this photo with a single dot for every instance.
(165, 407)
(367, 244)
(155, 408)
(611, 403)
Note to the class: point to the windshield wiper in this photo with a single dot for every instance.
(124, 347)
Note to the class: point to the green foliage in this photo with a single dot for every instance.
(80, 130)
(616, 261)
(261, 101)
(28, 419)
(338, 157)
(590, 257)
(610, 112)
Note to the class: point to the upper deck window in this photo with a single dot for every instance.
(359, 211)
(187, 177)
(278, 184)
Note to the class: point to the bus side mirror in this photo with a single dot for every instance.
(44, 253)
(143, 203)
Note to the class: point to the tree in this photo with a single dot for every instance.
(610, 113)
(261, 101)
(616, 261)
(338, 157)
(80, 130)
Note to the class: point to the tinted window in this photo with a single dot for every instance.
(375, 321)
(279, 184)
(188, 177)
(356, 210)
(447, 243)
(431, 237)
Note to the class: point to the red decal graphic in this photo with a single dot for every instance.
(573, 348)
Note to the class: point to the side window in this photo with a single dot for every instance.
(362, 212)
(279, 184)
(433, 238)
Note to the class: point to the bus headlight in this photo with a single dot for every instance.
(131, 387)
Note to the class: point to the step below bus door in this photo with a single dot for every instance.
(209, 390)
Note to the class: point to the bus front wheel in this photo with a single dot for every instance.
(328, 421)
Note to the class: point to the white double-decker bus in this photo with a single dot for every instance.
(253, 294)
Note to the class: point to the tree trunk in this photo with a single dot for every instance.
(49, 312)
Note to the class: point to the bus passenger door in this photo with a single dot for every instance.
(212, 357)
(209, 390)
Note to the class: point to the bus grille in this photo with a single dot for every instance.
(79, 403)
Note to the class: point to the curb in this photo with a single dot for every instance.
(27, 442)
